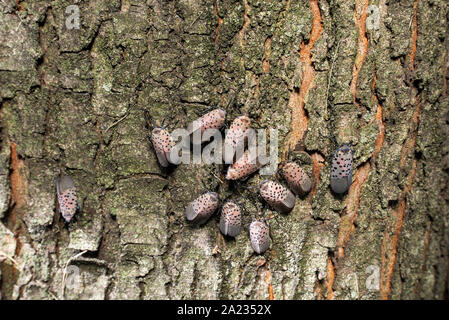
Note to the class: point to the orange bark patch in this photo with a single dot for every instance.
(18, 192)
(318, 163)
(20, 6)
(330, 279)
(18, 184)
(297, 99)
(299, 121)
(268, 281)
(267, 55)
(390, 242)
(125, 5)
(352, 206)
(242, 31)
(219, 22)
(379, 119)
(360, 14)
(381, 135)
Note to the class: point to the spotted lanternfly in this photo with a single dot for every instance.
(163, 144)
(231, 219)
(200, 209)
(67, 199)
(341, 171)
(214, 119)
(162, 141)
(277, 196)
(260, 236)
(297, 179)
(243, 167)
(235, 137)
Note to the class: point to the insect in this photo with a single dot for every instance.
(277, 196)
(200, 209)
(230, 219)
(67, 199)
(260, 236)
(243, 167)
(214, 119)
(341, 170)
(162, 142)
(297, 179)
(235, 137)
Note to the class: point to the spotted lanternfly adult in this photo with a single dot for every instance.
(341, 170)
(200, 209)
(260, 236)
(235, 137)
(297, 179)
(277, 196)
(214, 119)
(231, 219)
(243, 167)
(162, 141)
(67, 199)
(163, 144)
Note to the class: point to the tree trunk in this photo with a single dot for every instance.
(323, 72)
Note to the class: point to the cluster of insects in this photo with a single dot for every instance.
(280, 198)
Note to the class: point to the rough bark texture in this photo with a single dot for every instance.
(73, 101)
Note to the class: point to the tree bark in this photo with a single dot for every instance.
(324, 72)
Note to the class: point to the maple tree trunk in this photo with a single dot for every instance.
(73, 93)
